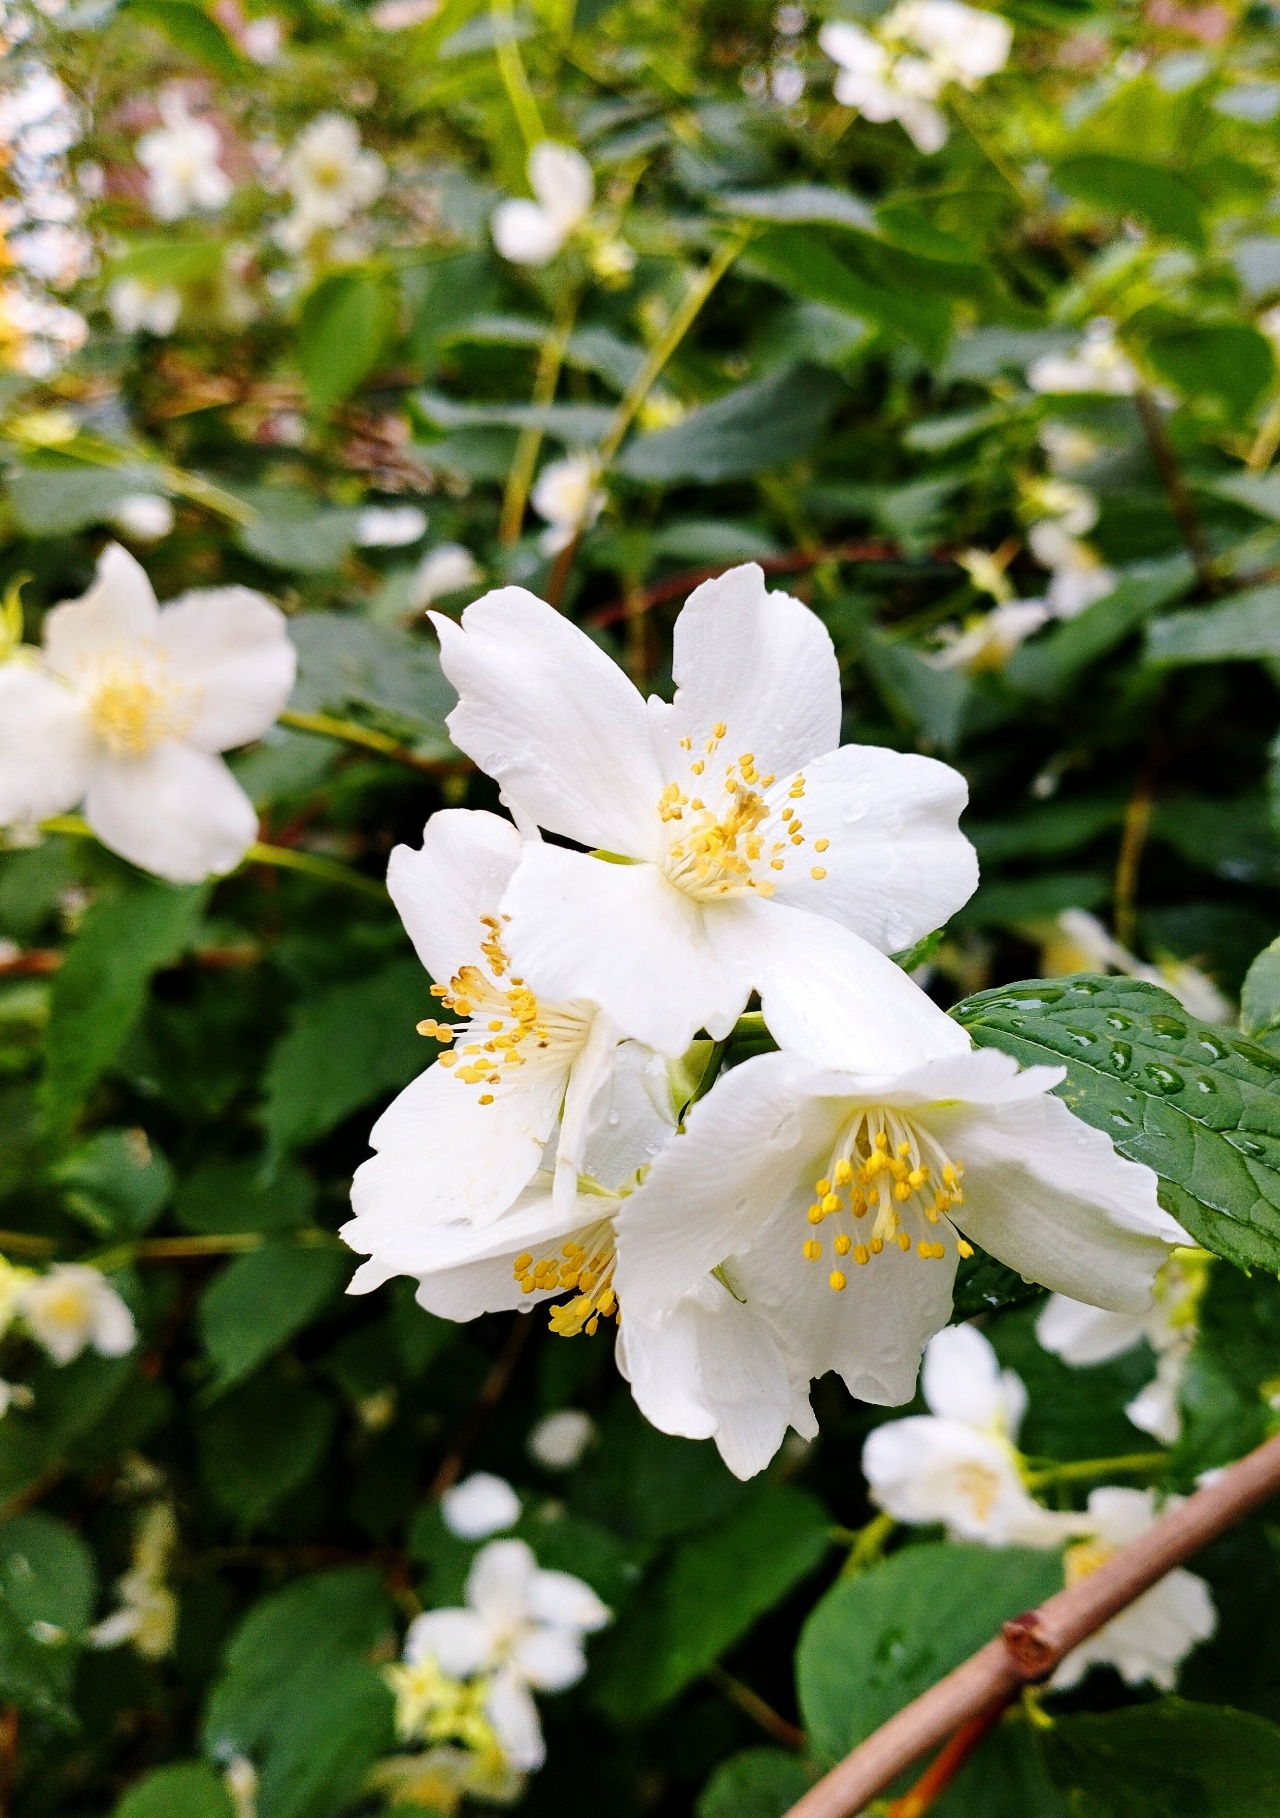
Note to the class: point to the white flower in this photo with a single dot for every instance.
(448, 568)
(144, 516)
(1082, 944)
(390, 526)
(1150, 1639)
(181, 162)
(330, 176)
(469, 1134)
(480, 1505)
(262, 39)
(148, 1613)
(134, 304)
(1097, 365)
(240, 1777)
(990, 639)
(1083, 1335)
(124, 711)
(1068, 448)
(558, 1441)
(830, 1205)
(36, 333)
(964, 43)
(532, 233)
(958, 1465)
(72, 1306)
(883, 88)
(567, 498)
(521, 1625)
(741, 849)
(1079, 576)
(1072, 508)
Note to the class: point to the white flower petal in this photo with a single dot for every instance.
(1080, 1334)
(232, 649)
(1157, 1408)
(119, 609)
(923, 1471)
(898, 866)
(559, 1440)
(549, 1659)
(480, 1505)
(500, 1583)
(176, 811)
(568, 1603)
(458, 1641)
(547, 714)
(1049, 1196)
(45, 745)
(626, 938)
(442, 888)
(961, 1378)
(852, 48)
(112, 1333)
(513, 1717)
(762, 663)
(561, 179)
(525, 233)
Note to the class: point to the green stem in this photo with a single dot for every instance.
(329, 726)
(1081, 1468)
(515, 81)
(868, 1544)
(311, 864)
(520, 478)
(203, 492)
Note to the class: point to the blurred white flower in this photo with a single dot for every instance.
(144, 516)
(1080, 943)
(148, 1612)
(559, 1440)
(480, 1505)
(330, 176)
(52, 253)
(390, 526)
(898, 71)
(72, 1306)
(523, 1630)
(958, 1465)
(964, 43)
(1098, 364)
(181, 161)
(1083, 1335)
(240, 1778)
(989, 639)
(1062, 502)
(262, 39)
(1150, 1639)
(37, 334)
(567, 498)
(135, 303)
(1068, 448)
(124, 710)
(448, 568)
(1078, 575)
(398, 15)
(532, 233)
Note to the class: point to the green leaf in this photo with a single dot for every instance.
(812, 202)
(345, 1048)
(1246, 627)
(191, 1789)
(1258, 492)
(47, 1590)
(298, 1695)
(259, 1301)
(170, 260)
(934, 700)
(54, 501)
(233, 1196)
(1260, 999)
(753, 429)
(346, 324)
(291, 532)
(1235, 839)
(1019, 902)
(1170, 1759)
(1054, 662)
(759, 1783)
(717, 1585)
(877, 1641)
(98, 993)
(1131, 186)
(391, 678)
(805, 264)
(117, 1183)
(1005, 1778)
(1199, 1105)
(263, 1441)
(190, 29)
(982, 1284)
(1227, 361)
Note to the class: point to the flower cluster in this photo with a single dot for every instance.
(806, 1211)
(42, 242)
(898, 71)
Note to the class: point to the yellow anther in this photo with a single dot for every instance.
(815, 1215)
(831, 1202)
(901, 1191)
(918, 1176)
(777, 864)
(966, 1250)
(686, 743)
(843, 1244)
(861, 1254)
(842, 1173)
(787, 813)
(747, 759)
(836, 1280)
(903, 1241)
(486, 1098)
(882, 1141)
(812, 1249)
(719, 729)
(822, 1186)
(821, 845)
(524, 1262)
(764, 887)
(698, 766)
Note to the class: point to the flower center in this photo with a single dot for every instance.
(980, 1487)
(67, 1308)
(502, 1024)
(135, 703)
(583, 1267)
(1085, 1557)
(739, 839)
(888, 1170)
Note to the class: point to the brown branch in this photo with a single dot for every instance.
(938, 1776)
(753, 1705)
(492, 1389)
(32, 1493)
(35, 964)
(874, 549)
(1031, 1646)
(1137, 824)
(8, 1755)
(1180, 500)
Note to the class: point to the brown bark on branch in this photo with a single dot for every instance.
(1030, 1647)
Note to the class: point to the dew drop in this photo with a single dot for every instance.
(1116, 1021)
(1163, 1079)
(1170, 1026)
(1215, 1049)
(613, 1120)
(1121, 1057)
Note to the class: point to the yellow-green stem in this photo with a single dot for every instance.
(329, 726)
(515, 81)
(313, 864)
(547, 377)
(1083, 1468)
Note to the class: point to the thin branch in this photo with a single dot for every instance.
(546, 378)
(1031, 1646)
(1133, 841)
(515, 81)
(753, 1705)
(312, 864)
(1081, 1469)
(329, 726)
(8, 1755)
(938, 1776)
(873, 549)
(1180, 500)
